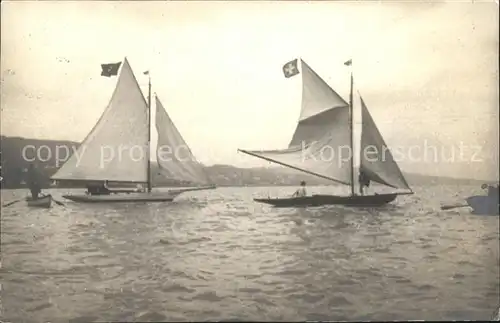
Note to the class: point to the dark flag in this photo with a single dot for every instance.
(290, 69)
(110, 69)
(348, 63)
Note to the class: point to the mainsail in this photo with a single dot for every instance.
(321, 142)
(376, 160)
(173, 154)
(116, 148)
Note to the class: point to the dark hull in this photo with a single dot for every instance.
(484, 205)
(319, 200)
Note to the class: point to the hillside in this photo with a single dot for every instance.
(13, 163)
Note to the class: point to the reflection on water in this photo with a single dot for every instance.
(216, 255)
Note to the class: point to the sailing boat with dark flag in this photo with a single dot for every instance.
(117, 149)
(325, 124)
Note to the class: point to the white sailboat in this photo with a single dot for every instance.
(325, 124)
(117, 148)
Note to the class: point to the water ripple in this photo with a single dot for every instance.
(216, 255)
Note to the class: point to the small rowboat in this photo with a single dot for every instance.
(496, 316)
(43, 202)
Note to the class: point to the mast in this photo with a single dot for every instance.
(351, 127)
(149, 134)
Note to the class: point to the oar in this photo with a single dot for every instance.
(449, 207)
(13, 202)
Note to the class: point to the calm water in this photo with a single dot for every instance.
(216, 255)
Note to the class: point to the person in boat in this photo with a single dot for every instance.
(301, 191)
(33, 182)
(492, 190)
(364, 181)
(100, 188)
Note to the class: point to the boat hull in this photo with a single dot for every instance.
(126, 196)
(41, 202)
(121, 198)
(485, 205)
(319, 200)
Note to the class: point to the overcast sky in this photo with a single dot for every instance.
(427, 72)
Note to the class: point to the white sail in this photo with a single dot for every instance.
(321, 142)
(376, 160)
(173, 154)
(116, 148)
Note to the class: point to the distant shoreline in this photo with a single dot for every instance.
(13, 166)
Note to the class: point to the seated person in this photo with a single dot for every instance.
(301, 191)
(100, 188)
(492, 190)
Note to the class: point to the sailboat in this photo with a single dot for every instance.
(117, 148)
(326, 124)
